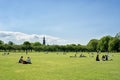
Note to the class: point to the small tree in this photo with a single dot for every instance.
(27, 46)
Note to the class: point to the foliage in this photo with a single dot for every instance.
(118, 35)
(103, 43)
(114, 45)
(92, 45)
(106, 43)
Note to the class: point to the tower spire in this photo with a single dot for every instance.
(44, 42)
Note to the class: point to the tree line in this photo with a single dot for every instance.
(106, 43)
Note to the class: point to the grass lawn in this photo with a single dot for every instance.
(54, 66)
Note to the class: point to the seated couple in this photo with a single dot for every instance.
(28, 61)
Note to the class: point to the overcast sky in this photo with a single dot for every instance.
(73, 20)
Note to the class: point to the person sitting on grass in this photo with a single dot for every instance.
(106, 57)
(97, 57)
(28, 61)
(103, 58)
(21, 59)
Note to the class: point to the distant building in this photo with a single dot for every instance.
(44, 42)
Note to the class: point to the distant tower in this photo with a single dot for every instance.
(44, 40)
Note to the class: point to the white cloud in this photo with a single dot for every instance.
(18, 38)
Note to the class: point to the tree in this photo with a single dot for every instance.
(16, 47)
(118, 35)
(5, 47)
(92, 45)
(78, 48)
(10, 43)
(114, 45)
(27, 46)
(103, 43)
(10, 46)
(1, 45)
(36, 44)
(1, 42)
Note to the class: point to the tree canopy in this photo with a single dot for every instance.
(106, 43)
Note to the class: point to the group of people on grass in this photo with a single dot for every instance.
(5, 53)
(27, 61)
(104, 57)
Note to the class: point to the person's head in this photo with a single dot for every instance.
(21, 56)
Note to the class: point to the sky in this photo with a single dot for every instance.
(77, 21)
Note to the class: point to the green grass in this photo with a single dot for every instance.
(58, 67)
